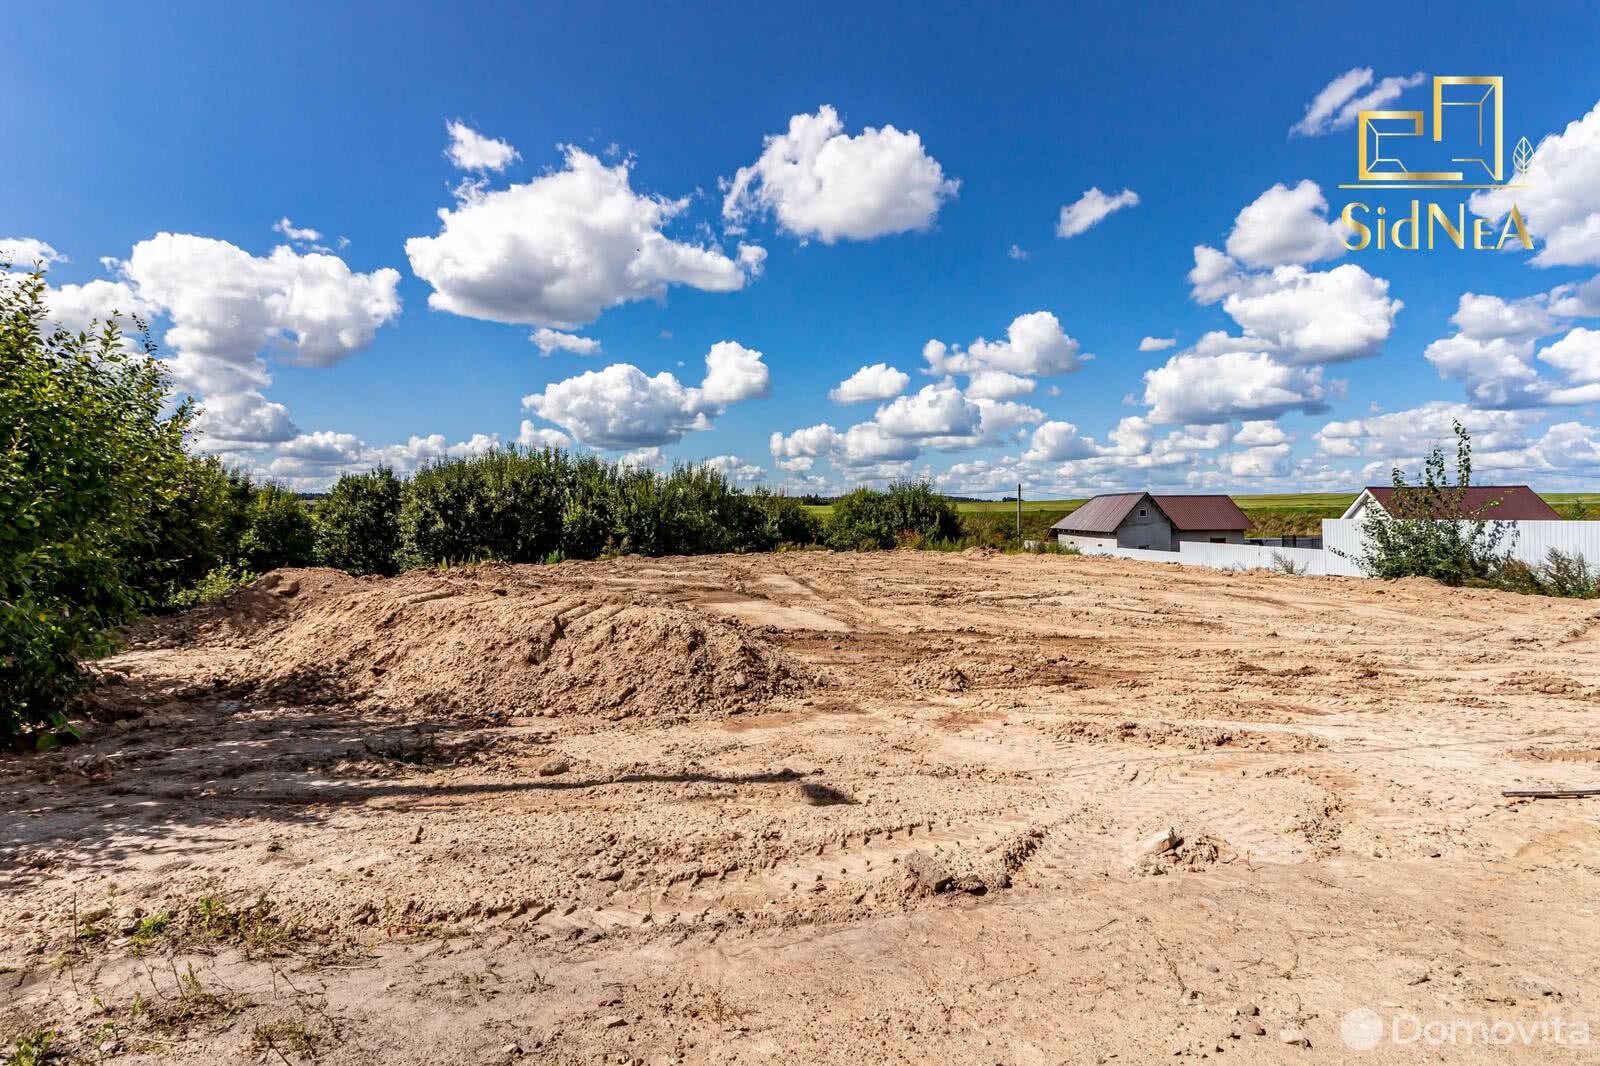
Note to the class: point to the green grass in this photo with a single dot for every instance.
(1273, 514)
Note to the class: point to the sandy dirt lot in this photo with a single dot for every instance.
(811, 807)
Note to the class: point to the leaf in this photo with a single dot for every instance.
(1522, 156)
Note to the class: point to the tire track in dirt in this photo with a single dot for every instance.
(735, 895)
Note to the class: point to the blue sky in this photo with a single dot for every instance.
(665, 187)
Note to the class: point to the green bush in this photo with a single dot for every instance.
(358, 523)
(785, 520)
(1409, 539)
(211, 588)
(524, 507)
(504, 505)
(1567, 575)
(693, 510)
(91, 465)
(910, 511)
(860, 521)
(1561, 574)
(198, 532)
(914, 508)
(588, 511)
(278, 531)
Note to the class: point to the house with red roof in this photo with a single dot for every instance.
(1155, 523)
(1499, 503)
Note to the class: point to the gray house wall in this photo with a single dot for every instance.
(1150, 530)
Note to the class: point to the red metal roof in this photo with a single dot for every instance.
(1516, 503)
(1102, 514)
(1202, 512)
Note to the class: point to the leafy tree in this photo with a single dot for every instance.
(587, 517)
(860, 521)
(92, 463)
(1427, 531)
(504, 505)
(785, 520)
(916, 510)
(358, 523)
(278, 531)
(197, 533)
(910, 511)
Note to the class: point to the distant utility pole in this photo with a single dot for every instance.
(1019, 510)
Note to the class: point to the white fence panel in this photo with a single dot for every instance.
(1527, 541)
(1251, 556)
(1224, 556)
(1147, 554)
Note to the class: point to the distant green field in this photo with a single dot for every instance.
(1303, 501)
(1274, 514)
(1562, 500)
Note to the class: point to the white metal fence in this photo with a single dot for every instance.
(1528, 541)
(1228, 556)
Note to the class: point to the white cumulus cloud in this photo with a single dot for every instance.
(1335, 107)
(560, 249)
(535, 436)
(1091, 208)
(880, 381)
(23, 252)
(228, 307)
(1208, 388)
(471, 150)
(1035, 346)
(623, 407)
(1285, 225)
(734, 373)
(550, 340)
(735, 468)
(820, 182)
(933, 411)
(1308, 316)
(1561, 199)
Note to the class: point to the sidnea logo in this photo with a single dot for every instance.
(1459, 145)
(1475, 108)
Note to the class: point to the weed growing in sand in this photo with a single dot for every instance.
(1561, 574)
(1285, 565)
(148, 933)
(166, 1016)
(253, 927)
(290, 1037)
(32, 1049)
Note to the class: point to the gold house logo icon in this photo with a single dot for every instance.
(1458, 146)
(1462, 147)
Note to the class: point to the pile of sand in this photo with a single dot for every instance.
(472, 642)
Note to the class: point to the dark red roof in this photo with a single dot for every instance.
(1102, 514)
(1202, 512)
(1516, 503)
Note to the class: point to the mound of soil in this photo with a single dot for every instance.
(472, 642)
